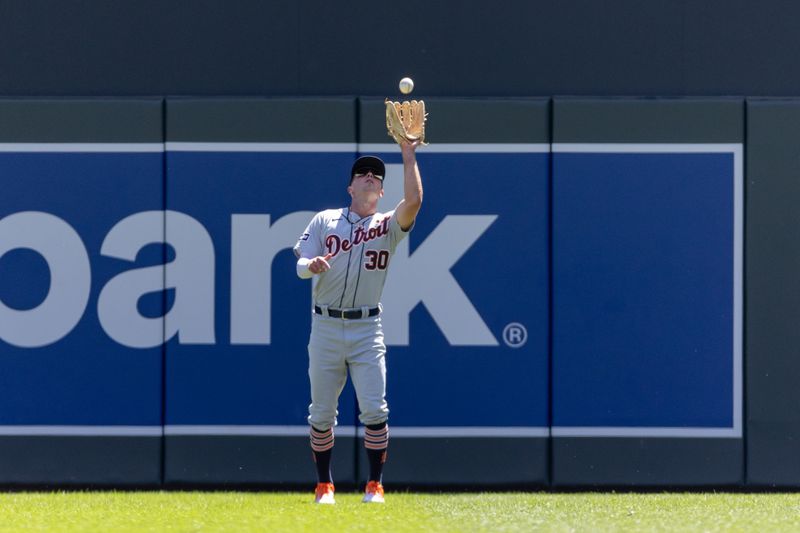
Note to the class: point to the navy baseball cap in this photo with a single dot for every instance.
(368, 162)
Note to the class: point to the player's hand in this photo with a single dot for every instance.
(319, 264)
(409, 147)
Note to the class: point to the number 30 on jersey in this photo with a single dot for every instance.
(376, 259)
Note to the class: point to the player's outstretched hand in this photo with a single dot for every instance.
(409, 146)
(319, 264)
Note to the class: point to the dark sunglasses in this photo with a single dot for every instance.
(363, 172)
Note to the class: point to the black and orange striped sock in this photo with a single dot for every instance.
(322, 447)
(376, 441)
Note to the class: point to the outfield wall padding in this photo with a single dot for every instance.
(646, 236)
(652, 362)
(80, 406)
(773, 293)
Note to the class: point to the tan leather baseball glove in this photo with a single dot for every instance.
(406, 120)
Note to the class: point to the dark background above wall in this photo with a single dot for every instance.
(469, 48)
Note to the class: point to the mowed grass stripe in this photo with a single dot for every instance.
(236, 511)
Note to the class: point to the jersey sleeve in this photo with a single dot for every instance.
(310, 242)
(396, 233)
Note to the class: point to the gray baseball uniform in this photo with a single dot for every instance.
(361, 249)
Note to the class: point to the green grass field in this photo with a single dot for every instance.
(234, 511)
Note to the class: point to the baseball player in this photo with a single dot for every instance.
(349, 250)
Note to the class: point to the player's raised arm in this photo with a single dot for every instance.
(409, 206)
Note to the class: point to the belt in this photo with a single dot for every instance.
(352, 314)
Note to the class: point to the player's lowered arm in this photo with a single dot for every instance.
(307, 267)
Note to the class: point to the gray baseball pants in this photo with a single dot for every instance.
(335, 346)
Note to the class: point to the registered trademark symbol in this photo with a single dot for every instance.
(515, 335)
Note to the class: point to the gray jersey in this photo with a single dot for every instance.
(361, 249)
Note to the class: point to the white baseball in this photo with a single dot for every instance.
(406, 85)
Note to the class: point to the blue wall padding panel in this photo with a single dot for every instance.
(643, 289)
